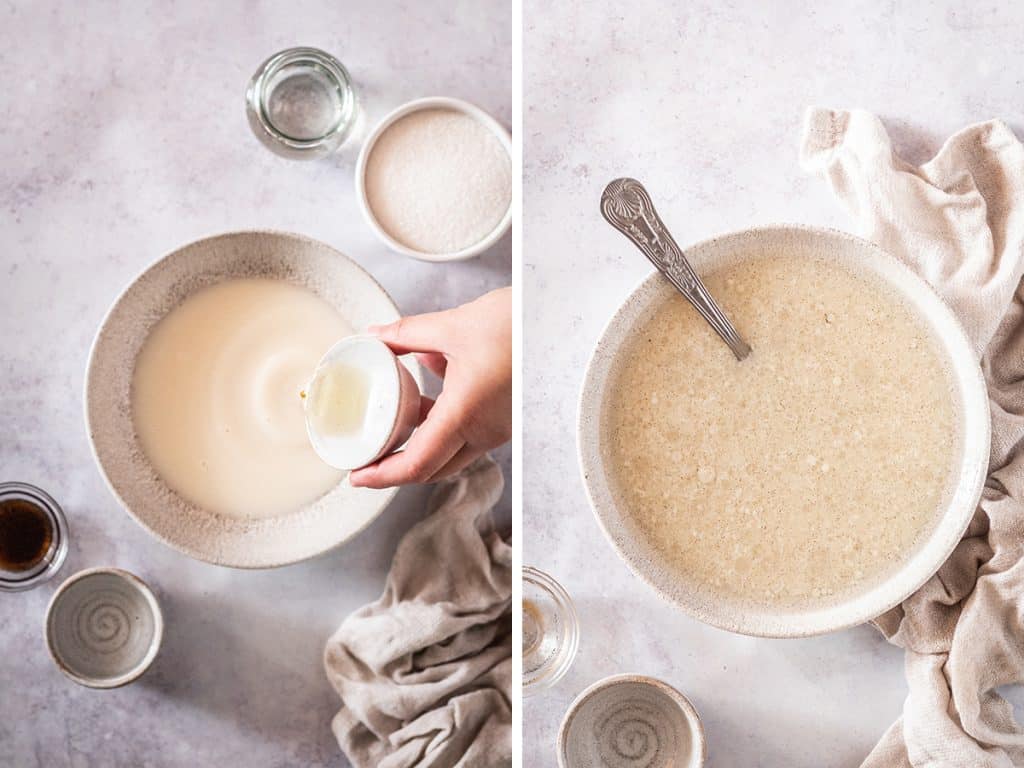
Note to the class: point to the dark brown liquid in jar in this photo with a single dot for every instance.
(25, 534)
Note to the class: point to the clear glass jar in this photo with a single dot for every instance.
(31, 513)
(551, 631)
(301, 104)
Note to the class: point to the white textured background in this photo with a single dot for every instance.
(122, 136)
(704, 104)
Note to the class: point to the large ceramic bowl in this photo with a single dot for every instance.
(258, 543)
(937, 544)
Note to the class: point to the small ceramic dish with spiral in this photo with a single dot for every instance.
(103, 627)
(631, 721)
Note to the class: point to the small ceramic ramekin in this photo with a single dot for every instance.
(103, 627)
(392, 419)
(631, 720)
(431, 102)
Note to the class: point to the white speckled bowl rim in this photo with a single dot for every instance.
(139, 669)
(689, 713)
(222, 540)
(416, 105)
(935, 548)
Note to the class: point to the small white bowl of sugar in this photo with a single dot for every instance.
(434, 180)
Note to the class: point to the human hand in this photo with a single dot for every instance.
(470, 348)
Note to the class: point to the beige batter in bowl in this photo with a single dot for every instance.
(242, 543)
(937, 544)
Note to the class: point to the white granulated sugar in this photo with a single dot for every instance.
(438, 181)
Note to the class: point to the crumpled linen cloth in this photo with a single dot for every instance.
(425, 672)
(958, 220)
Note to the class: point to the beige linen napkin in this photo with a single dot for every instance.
(957, 220)
(425, 672)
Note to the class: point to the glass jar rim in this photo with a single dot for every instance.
(53, 558)
(549, 674)
(257, 92)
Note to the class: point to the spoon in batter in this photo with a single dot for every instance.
(626, 205)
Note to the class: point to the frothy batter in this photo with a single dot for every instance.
(803, 474)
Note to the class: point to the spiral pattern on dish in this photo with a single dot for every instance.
(102, 623)
(635, 733)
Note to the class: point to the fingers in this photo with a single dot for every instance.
(432, 446)
(426, 403)
(430, 332)
(434, 362)
(467, 455)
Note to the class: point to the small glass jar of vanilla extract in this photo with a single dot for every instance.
(33, 536)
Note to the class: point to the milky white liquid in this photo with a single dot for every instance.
(216, 396)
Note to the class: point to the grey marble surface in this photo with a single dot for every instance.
(704, 104)
(122, 136)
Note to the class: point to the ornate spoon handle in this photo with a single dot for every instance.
(627, 207)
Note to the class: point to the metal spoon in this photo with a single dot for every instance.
(626, 205)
